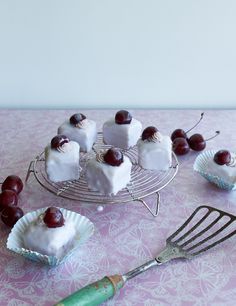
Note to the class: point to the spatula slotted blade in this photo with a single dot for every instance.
(204, 229)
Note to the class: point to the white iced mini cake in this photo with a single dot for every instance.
(123, 131)
(80, 129)
(223, 165)
(50, 234)
(62, 159)
(154, 150)
(108, 172)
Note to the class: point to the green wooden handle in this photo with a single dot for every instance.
(94, 294)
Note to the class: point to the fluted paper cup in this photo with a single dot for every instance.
(84, 229)
(200, 166)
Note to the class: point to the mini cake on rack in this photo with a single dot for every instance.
(223, 165)
(62, 159)
(154, 150)
(50, 234)
(80, 129)
(123, 131)
(108, 172)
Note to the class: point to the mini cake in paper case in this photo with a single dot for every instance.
(218, 167)
(49, 235)
(80, 129)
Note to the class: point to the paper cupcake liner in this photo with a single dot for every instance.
(84, 229)
(200, 166)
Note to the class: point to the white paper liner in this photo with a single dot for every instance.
(84, 229)
(200, 166)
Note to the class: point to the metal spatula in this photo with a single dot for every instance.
(195, 236)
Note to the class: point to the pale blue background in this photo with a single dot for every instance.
(124, 53)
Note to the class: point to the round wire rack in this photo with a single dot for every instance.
(142, 184)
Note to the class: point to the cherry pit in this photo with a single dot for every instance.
(181, 143)
(10, 212)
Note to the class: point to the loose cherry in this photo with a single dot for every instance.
(123, 117)
(149, 132)
(180, 146)
(13, 182)
(59, 141)
(8, 198)
(222, 157)
(77, 118)
(180, 133)
(198, 143)
(113, 157)
(53, 217)
(10, 215)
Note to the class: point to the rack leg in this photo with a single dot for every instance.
(29, 171)
(156, 211)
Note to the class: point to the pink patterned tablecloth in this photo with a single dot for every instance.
(126, 235)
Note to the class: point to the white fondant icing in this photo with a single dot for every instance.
(107, 179)
(63, 165)
(49, 241)
(122, 135)
(85, 135)
(228, 173)
(155, 155)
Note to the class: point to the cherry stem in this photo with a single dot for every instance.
(202, 114)
(217, 133)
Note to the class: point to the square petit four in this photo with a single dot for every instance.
(62, 159)
(222, 165)
(80, 129)
(108, 172)
(154, 150)
(50, 234)
(123, 131)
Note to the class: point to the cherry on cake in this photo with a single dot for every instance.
(123, 131)
(80, 129)
(62, 159)
(50, 234)
(154, 150)
(108, 172)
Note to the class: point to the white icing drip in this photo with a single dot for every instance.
(100, 157)
(232, 162)
(156, 137)
(82, 124)
(64, 148)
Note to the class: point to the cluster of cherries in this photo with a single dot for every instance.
(182, 144)
(10, 212)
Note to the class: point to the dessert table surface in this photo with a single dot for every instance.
(126, 234)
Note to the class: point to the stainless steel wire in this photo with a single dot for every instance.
(143, 182)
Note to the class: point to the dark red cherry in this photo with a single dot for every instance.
(113, 157)
(76, 118)
(53, 217)
(13, 182)
(222, 157)
(123, 117)
(59, 141)
(8, 198)
(179, 133)
(198, 143)
(180, 146)
(10, 215)
(149, 132)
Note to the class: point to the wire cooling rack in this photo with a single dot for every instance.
(143, 182)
